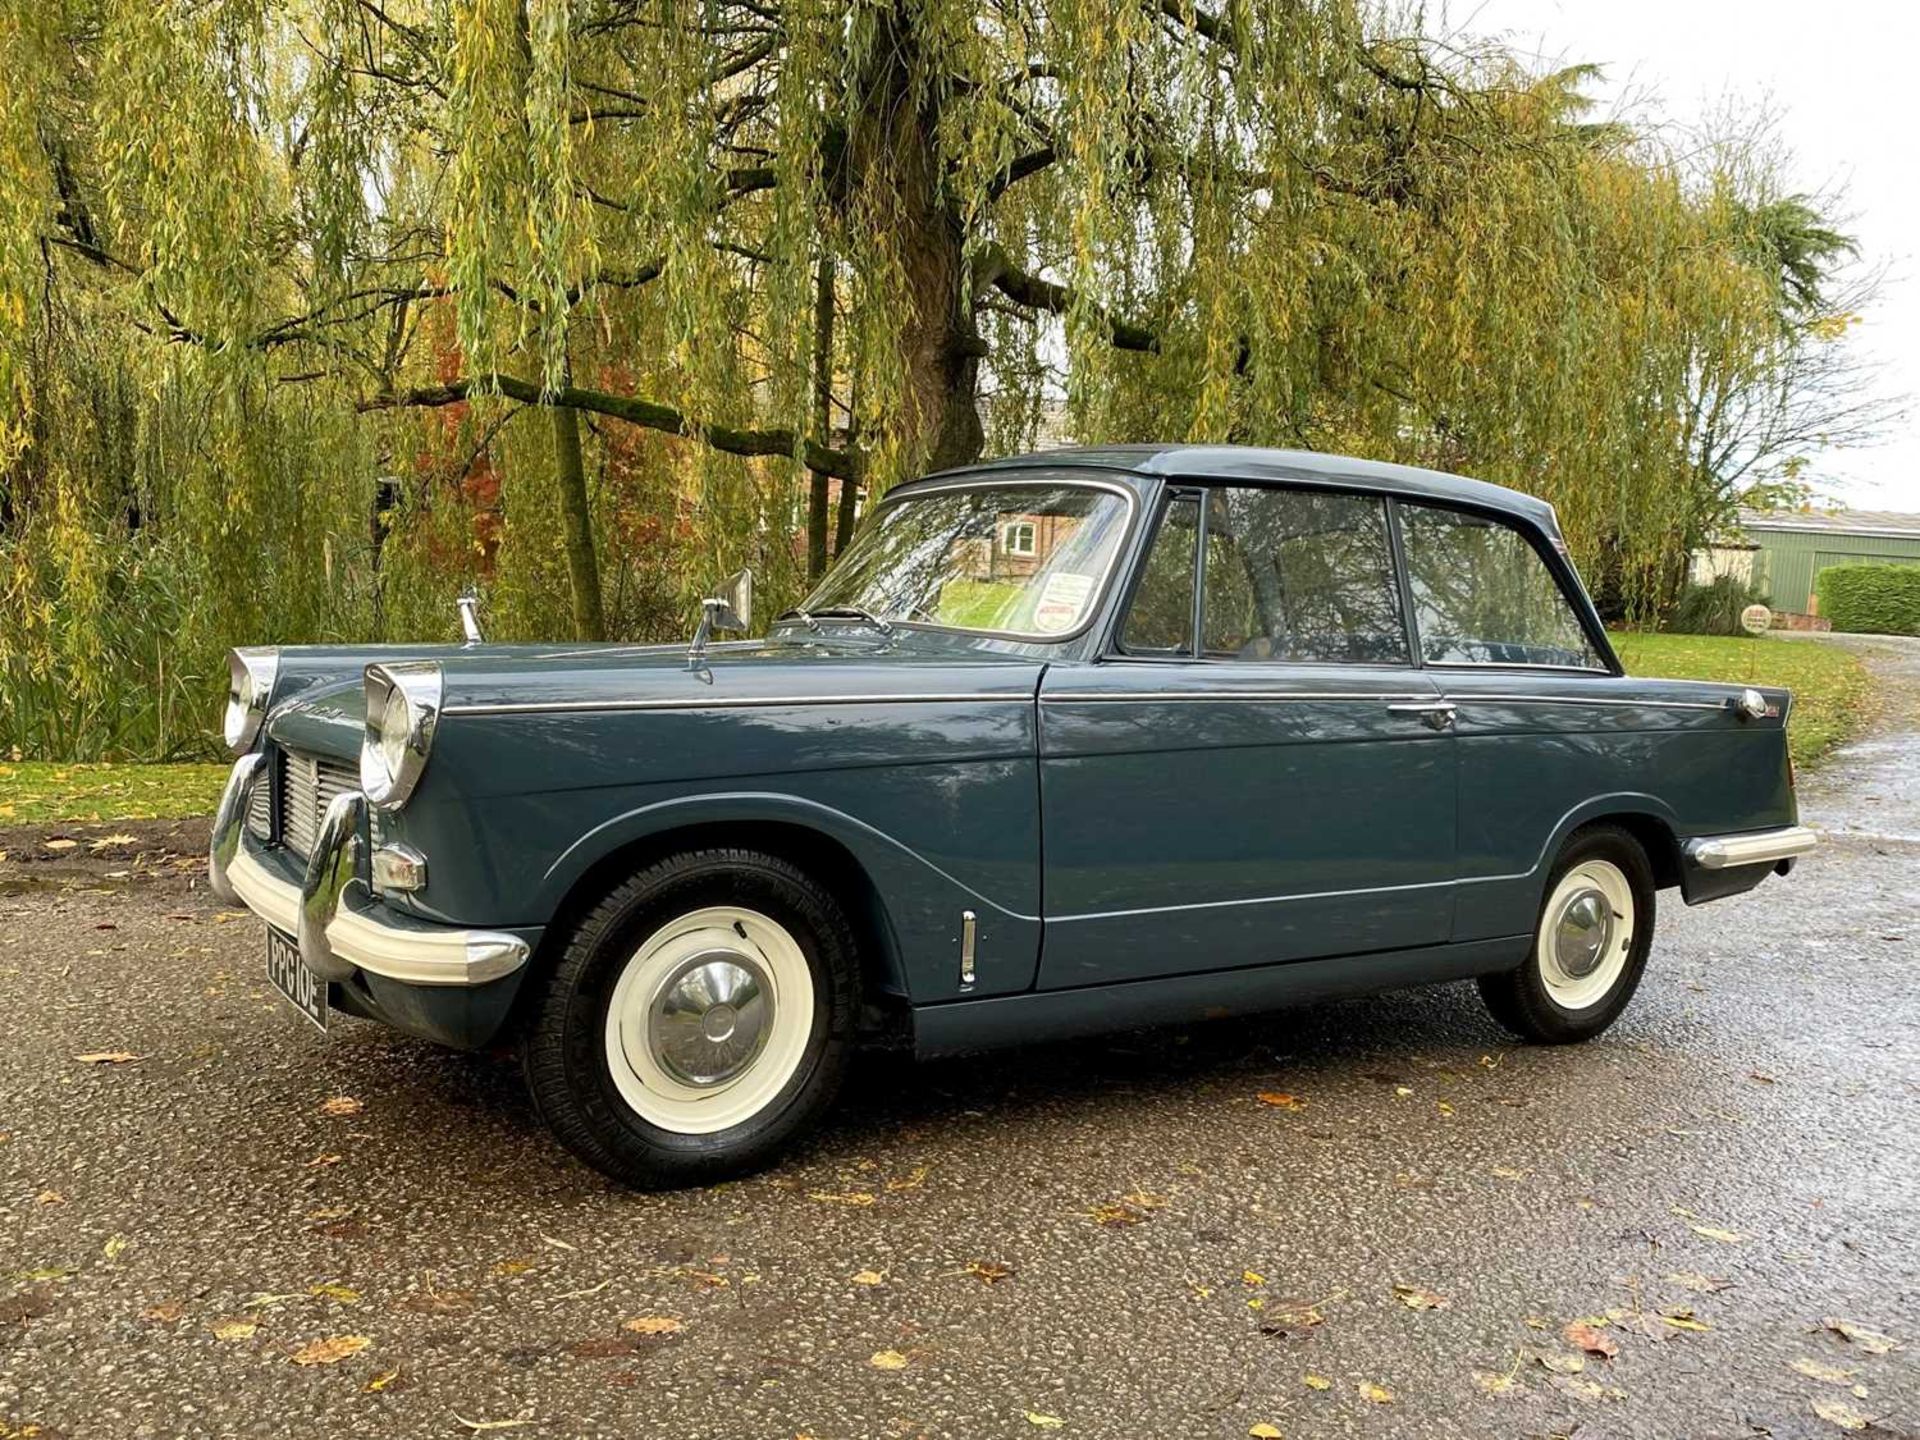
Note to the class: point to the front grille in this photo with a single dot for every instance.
(307, 784)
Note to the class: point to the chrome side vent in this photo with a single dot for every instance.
(969, 935)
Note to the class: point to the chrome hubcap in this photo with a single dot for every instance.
(710, 1017)
(1582, 932)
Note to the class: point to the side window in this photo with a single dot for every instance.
(1482, 595)
(1160, 619)
(1300, 575)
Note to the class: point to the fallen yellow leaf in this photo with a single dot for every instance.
(1498, 1384)
(341, 1105)
(1711, 1232)
(988, 1272)
(1414, 1298)
(1507, 1172)
(1264, 1431)
(167, 1312)
(1832, 1374)
(60, 846)
(849, 1197)
(654, 1325)
(1838, 1412)
(331, 1350)
(234, 1329)
(888, 1360)
(1871, 1341)
(108, 1057)
(1317, 1382)
(1044, 1422)
(869, 1277)
(1684, 1320)
(1281, 1100)
(338, 1293)
(1378, 1394)
(1252, 1277)
(381, 1381)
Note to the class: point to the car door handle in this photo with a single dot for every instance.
(1438, 714)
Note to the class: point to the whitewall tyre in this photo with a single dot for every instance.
(698, 1018)
(1590, 944)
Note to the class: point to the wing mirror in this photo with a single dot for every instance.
(730, 609)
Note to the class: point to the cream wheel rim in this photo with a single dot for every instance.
(1586, 934)
(709, 1020)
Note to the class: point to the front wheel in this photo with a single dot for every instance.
(1590, 943)
(699, 1018)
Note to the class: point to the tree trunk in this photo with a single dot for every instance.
(576, 516)
(822, 413)
(892, 151)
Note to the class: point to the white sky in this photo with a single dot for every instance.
(1839, 77)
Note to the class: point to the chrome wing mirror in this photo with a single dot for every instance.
(730, 609)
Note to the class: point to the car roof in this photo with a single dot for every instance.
(1254, 462)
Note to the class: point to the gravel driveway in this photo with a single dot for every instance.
(1376, 1217)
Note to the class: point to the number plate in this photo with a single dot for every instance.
(289, 974)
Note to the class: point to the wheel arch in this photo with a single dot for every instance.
(594, 869)
(1647, 818)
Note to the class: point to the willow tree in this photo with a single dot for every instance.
(696, 280)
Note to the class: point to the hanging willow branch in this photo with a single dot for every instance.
(647, 414)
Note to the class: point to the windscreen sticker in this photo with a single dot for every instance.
(1062, 599)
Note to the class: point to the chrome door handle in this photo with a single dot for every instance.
(1438, 714)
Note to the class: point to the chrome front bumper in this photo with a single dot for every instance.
(339, 925)
(1759, 847)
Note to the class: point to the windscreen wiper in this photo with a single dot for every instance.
(885, 627)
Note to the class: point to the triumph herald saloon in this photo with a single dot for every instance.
(1065, 743)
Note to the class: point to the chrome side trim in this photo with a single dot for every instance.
(1116, 697)
(1762, 847)
(362, 937)
(230, 823)
(742, 702)
(1254, 900)
(1467, 699)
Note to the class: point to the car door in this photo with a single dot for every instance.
(1255, 771)
(1545, 728)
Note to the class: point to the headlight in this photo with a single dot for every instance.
(250, 676)
(403, 706)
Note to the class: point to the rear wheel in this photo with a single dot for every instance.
(699, 1018)
(1590, 942)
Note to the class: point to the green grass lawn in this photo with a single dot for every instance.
(34, 792)
(1832, 690)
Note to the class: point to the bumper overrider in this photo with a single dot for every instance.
(345, 934)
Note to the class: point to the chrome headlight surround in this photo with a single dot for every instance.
(251, 672)
(403, 710)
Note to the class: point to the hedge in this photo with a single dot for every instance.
(1871, 599)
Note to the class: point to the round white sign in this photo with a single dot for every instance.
(1755, 619)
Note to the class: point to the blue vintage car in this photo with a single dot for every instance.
(1065, 743)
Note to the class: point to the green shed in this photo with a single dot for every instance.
(1794, 547)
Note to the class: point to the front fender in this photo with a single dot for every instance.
(921, 900)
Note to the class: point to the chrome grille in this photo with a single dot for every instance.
(308, 784)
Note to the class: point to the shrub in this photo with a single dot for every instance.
(1714, 609)
(1871, 599)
